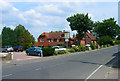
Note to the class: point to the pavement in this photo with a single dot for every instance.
(97, 64)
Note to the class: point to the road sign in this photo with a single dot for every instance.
(67, 35)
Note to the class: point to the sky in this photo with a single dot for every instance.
(39, 17)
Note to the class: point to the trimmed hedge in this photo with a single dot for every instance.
(48, 51)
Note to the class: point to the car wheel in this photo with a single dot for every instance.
(39, 54)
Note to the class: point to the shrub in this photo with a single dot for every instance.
(76, 48)
(61, 52)
(101, 46)
(63, 45)
(83, 48)
(66, 51)
(108, 45)
(48, 51)
(92, 46)
(71, 50)
(104, 46)
(56, 53)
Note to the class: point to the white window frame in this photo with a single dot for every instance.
(42, 40)
(53, 40)
(58, 40)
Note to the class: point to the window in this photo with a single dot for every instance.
(42, 40)
(58, 40)
(53, 40)
(48, 40)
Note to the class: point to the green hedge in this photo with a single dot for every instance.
(48, 51)
(83, 48)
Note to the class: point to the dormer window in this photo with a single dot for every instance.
(58, 40)
(53, 40)
(42, 40)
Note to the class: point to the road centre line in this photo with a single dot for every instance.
(93, 72)
(7, 75)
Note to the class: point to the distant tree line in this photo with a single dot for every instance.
(55, 31)
(17, 37)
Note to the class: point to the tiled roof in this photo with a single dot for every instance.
(91, 36)
(52, 35)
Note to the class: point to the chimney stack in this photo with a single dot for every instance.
(73, 35)
(91, 31)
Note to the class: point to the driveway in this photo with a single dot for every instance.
(19, 56)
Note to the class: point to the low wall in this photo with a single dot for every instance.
(6, 56)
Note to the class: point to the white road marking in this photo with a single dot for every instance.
(93, 72)
(7, 75)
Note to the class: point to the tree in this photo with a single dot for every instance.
(107, 27)
(81, 23)
(118, 38)
(8, 36)
(23, 37)
(104, 40)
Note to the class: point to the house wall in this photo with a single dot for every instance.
(46, 43)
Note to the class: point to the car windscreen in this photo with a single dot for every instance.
(37, 48)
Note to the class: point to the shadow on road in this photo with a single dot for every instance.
(114, 63)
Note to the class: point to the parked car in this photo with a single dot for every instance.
(34, 51)
(7, 49)
(59, 48)
(18, 48)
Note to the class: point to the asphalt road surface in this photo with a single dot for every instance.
(76, 66)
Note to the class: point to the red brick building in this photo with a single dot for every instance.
(52, 39)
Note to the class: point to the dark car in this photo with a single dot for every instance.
(18, 48)
(34, 51)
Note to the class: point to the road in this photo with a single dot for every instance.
(88, 65)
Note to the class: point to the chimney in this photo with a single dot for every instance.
(63, 30)
(73, 35)
(91, 31)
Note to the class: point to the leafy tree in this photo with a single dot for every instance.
(118, 38)
(8, 36)
(17, 37)
(81, 23)
(107, 27)
(104, 40)
(23, 37)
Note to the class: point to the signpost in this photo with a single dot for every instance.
(67, 36)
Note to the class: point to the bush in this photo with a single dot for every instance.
(101, 46)
(63, 45)
(76, 48)
(104, 46)
(48, 51)
(108, 45)
(92, 46)
(83, 48)
(61, 52)
(71, 50)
